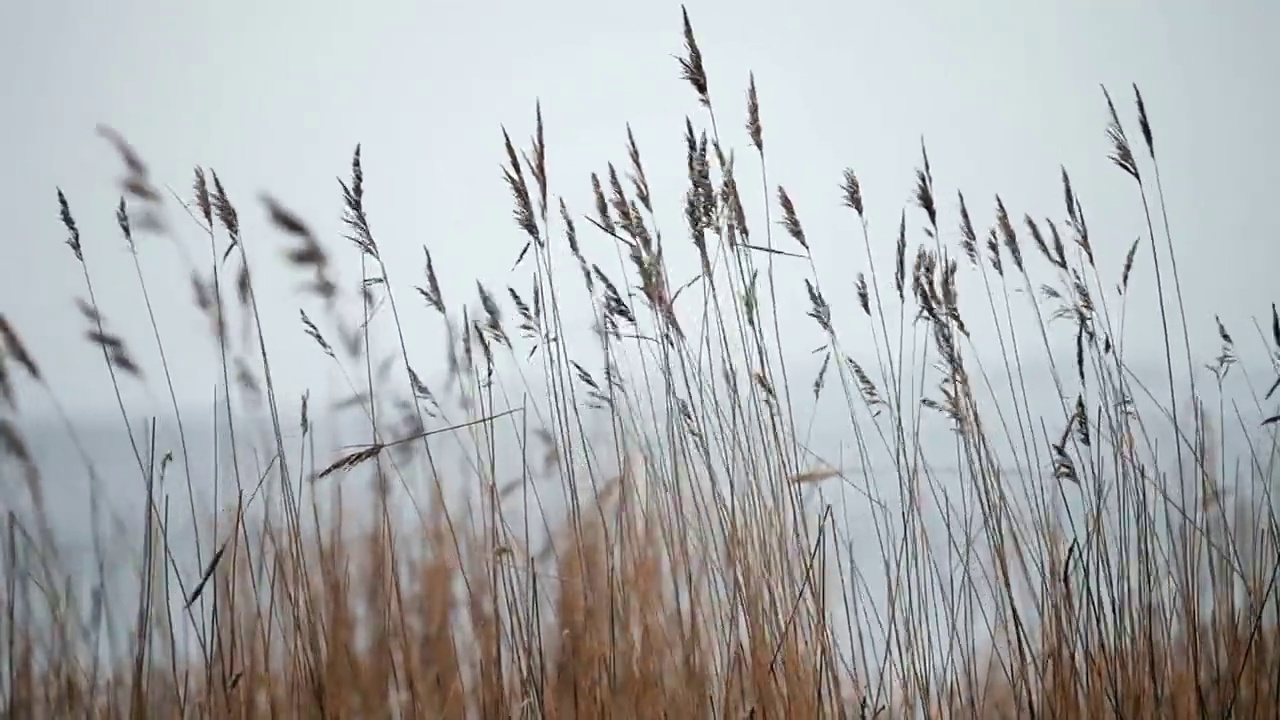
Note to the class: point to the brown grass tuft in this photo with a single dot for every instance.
(638, 528)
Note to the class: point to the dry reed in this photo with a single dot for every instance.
(690, 572)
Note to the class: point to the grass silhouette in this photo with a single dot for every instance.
(1048, 560)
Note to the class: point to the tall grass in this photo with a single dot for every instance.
(637, 527)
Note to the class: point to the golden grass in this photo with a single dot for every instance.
(690, 571)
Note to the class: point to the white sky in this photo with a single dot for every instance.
(274, 96)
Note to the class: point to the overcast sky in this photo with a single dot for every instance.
(275, 95)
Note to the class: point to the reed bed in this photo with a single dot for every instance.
(636, 527)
